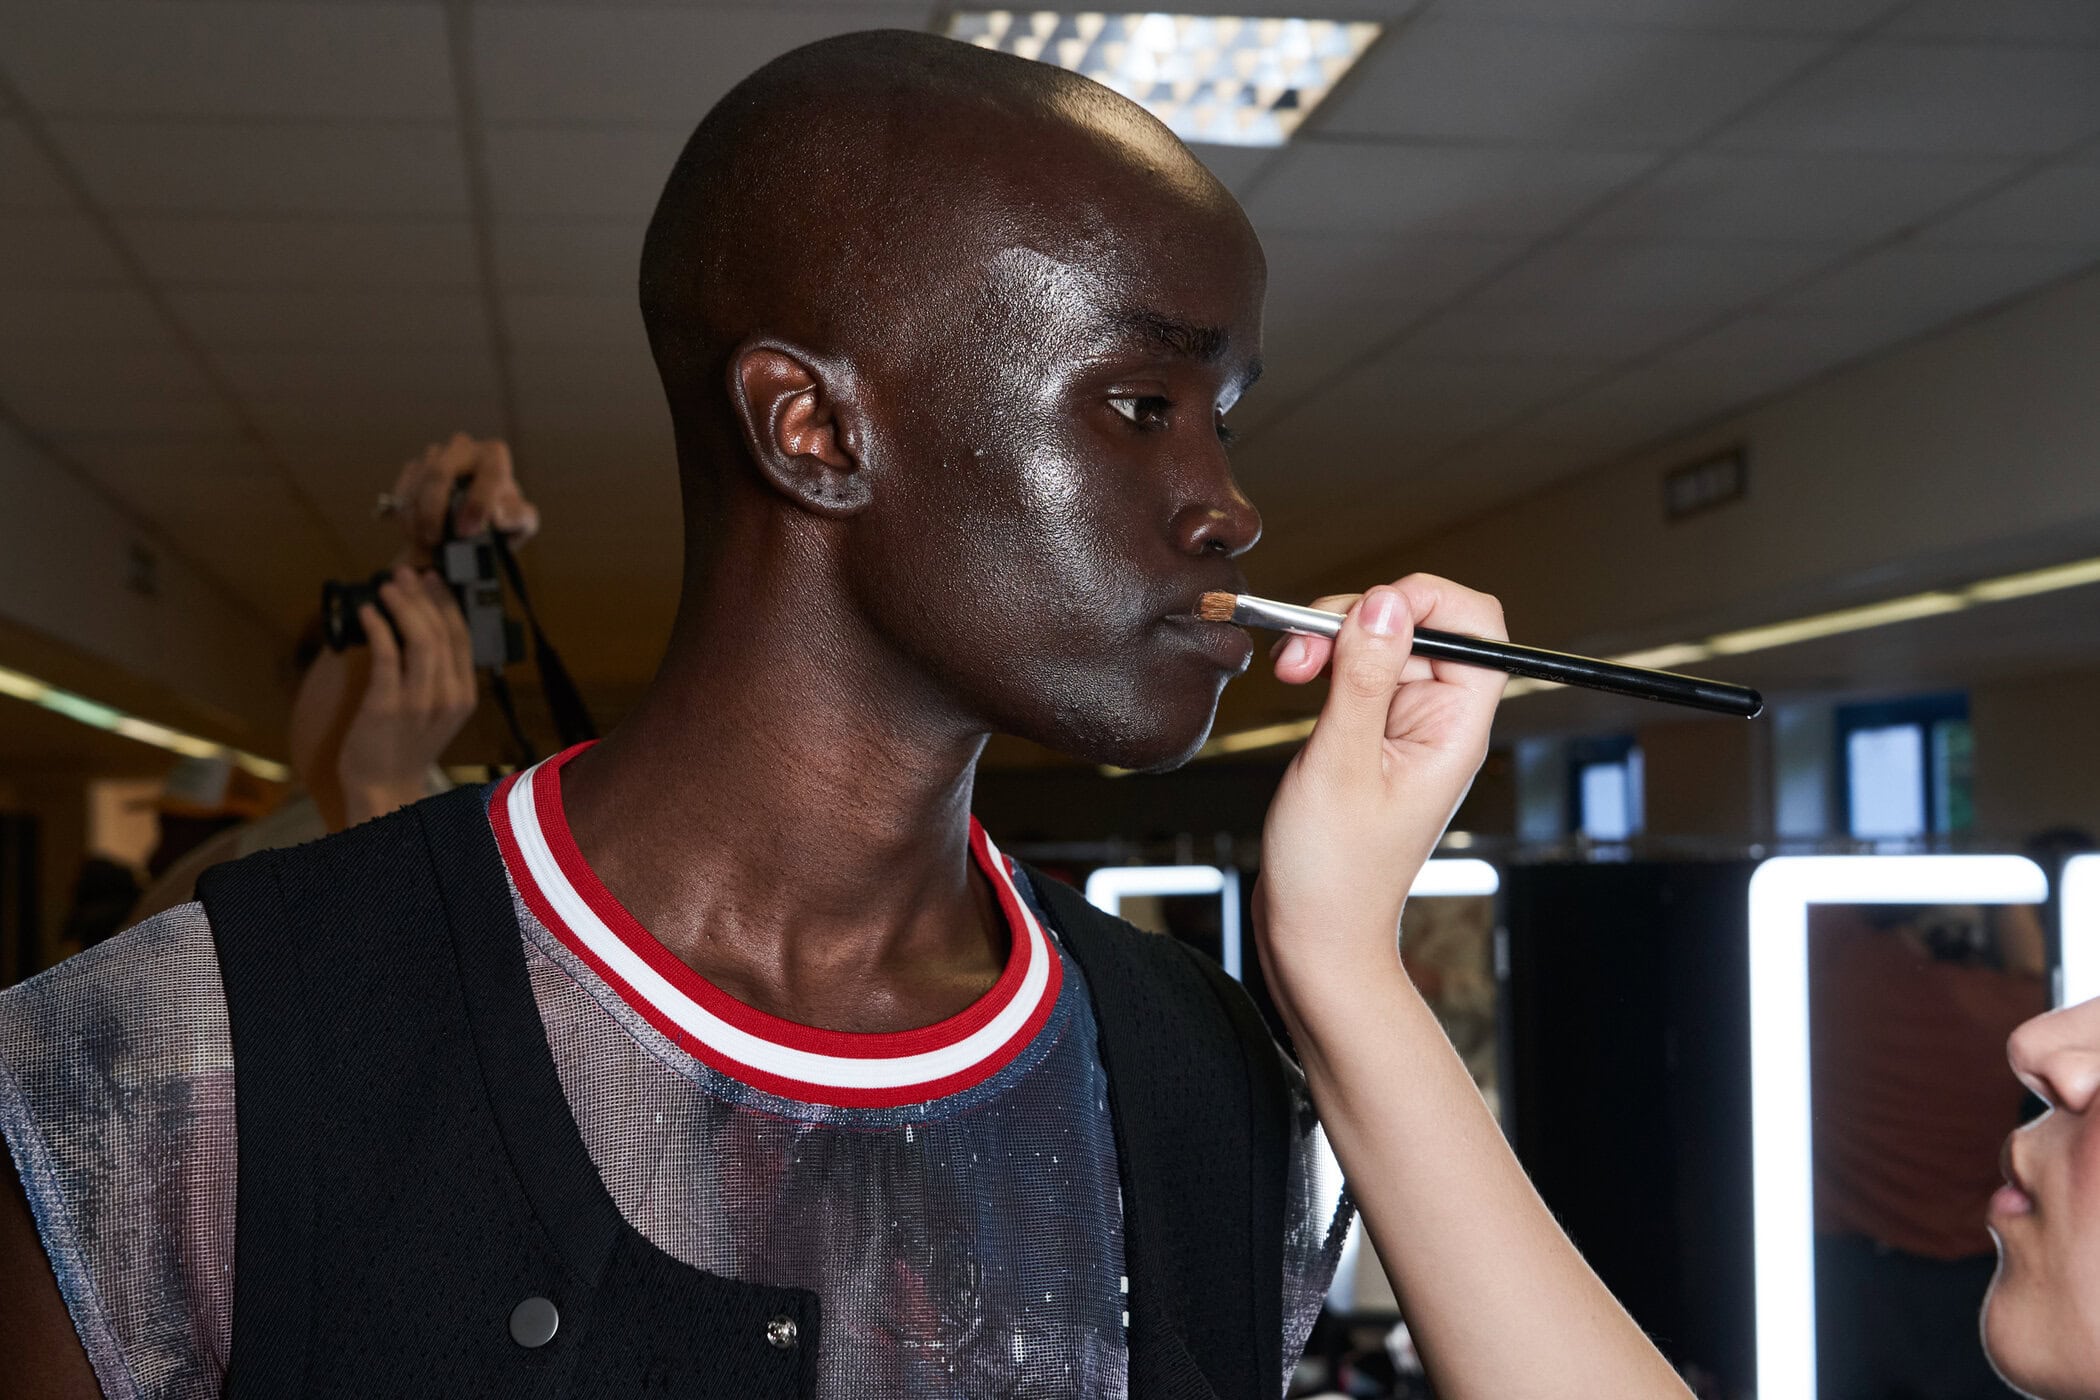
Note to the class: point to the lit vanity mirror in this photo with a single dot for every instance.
(1882, 990)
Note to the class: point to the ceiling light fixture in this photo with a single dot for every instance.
(1801, 629)
(97, 715)
(1223, 79)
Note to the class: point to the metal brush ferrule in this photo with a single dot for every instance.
(1250, 611)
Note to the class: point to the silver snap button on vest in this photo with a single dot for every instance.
(782, 1331)
(533, 1322)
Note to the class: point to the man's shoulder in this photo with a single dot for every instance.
(152, 990)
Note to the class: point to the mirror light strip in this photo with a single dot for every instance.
(1781, 891)
(2078, 890)
(1108, 887)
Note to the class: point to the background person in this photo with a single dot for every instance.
(369, 723)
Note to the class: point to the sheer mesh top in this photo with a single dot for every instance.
(949, 1193)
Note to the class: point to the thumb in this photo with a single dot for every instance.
(1369, 653)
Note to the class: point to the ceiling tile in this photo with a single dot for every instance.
(1590, 331)
(176, 455)
(407, 414)
(623, 383)
(282, 168)
(238, 318)
(1404, 409)
(575, 321)
(568, 255)
(1770, 16)
(28, 184)
(547, 66)
(539, 172)
(1323, 187)
(1936, 99)
(1808, 342)
(1238, 168)
(2035, 21)
(284, 252)
(2056, 207)
(206, 59)
(81, 316)
(1818, 198)
(1440, 78)
(1333, 299)
(56, 250)
(1936, 280)
(1669, 396)
(1607, 275)
(63, 390)
(348, 375)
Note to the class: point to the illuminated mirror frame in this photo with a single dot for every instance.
(1781, 891)
(1108, 887)
(2078, 924)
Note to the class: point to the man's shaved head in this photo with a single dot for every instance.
(848, 182)
(949, 335)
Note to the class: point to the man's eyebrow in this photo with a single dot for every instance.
(1206, 344)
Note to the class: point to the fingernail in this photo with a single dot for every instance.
(1381, 612)
(1293, 652)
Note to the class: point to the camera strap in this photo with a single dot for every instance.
(565, 706)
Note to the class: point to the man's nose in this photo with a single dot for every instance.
(1226, 524)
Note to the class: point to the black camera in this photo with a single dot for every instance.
(469, 569)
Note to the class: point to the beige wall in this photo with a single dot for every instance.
(2037, 754)
(1970, 453)
(1706, 778)
(64, 562)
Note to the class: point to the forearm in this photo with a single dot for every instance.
(1500, 1305)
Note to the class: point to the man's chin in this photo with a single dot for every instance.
(1159, 753)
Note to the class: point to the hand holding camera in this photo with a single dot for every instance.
(418, 693)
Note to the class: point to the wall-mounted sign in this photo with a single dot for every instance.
(1701, 486)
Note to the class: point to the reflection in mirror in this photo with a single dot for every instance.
(1909, 1009)
(1879, 1095)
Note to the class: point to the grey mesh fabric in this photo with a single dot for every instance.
(966, 1246)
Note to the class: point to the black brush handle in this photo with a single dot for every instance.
(1591, 674)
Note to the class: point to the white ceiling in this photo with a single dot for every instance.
(254, 252)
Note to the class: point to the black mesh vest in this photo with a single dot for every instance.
(409, 1171)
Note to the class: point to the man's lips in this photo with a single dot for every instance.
(1229, 646)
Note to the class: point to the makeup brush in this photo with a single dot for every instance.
(1535, 662)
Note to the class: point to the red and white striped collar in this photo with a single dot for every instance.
(840, 1068)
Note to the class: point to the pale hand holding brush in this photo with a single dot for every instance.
(1498, 1300)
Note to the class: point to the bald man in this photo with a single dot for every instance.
(729, 1057)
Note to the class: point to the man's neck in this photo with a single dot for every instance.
(786, 828)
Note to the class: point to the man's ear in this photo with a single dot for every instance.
(791, 412)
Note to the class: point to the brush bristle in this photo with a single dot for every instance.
(1217, 607)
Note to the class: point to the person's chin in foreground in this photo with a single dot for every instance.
(2041, 1320)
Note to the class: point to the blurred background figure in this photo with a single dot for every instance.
(368, 723)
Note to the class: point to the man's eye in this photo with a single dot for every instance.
(1145, 410)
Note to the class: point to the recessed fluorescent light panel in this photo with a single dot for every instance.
(1226, 80)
